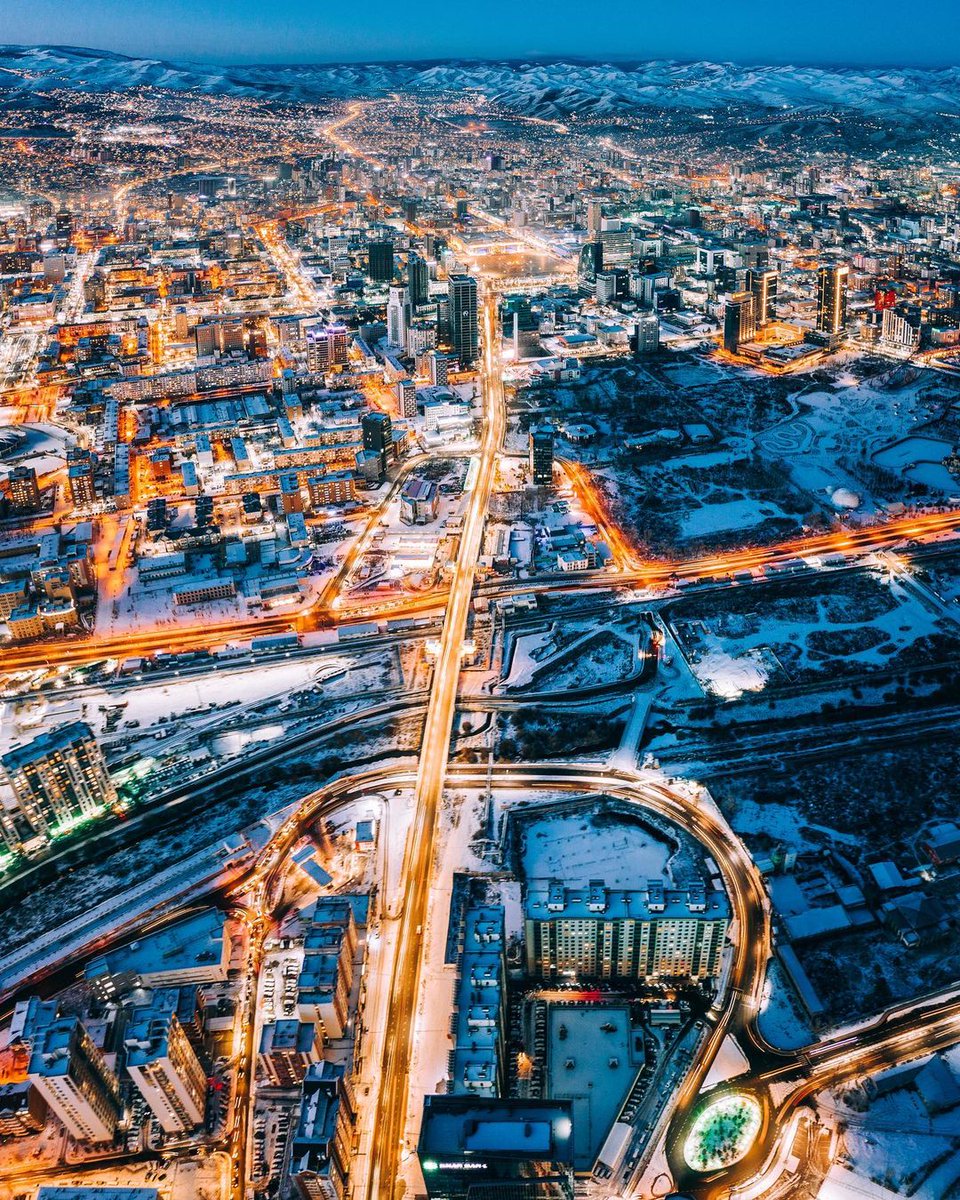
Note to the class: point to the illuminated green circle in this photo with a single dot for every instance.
(722, 1133)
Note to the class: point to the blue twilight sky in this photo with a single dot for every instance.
(809, 31)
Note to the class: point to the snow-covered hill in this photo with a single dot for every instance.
(543, 88)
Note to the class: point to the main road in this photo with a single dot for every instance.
(391, 1109)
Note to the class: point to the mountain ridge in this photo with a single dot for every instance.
(554, 86)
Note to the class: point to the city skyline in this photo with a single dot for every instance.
(479, 613)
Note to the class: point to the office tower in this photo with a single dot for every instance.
(381, 261)
(464, 325)
(321, 1149)
(617, 247)
(164, 1066)
(595, 932)
(762, 283)
(377, 433)
(439, 369)
(472, 1147)
(69, 1072)
(647, 334)
(64, 229)
(589, 265)
(739, 321)
(327, 346)
(613, 285)
(418, 281)
(24, 490)
(406, 399)
(58, 779)
(832, 298)
(541, 456)
(594, 219)
(398, 316)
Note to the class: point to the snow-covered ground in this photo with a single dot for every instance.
(892, 1140)
(852, 423)
(850, 626)
(781, 1018)
(581, 846)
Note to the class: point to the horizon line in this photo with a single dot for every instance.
(614, 59)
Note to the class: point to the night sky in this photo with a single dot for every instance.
(806, 31)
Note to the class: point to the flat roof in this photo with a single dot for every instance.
(503, 1129)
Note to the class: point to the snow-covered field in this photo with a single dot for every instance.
(745, 641)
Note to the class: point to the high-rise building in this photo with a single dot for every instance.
(80, 481)
(439, 369)
(464, 318)
(377, 433)
(58, 779)
(613, 285)
(594, 219)
(739, 321)
(596, 932)
(832, 283)
(590, 264)
(287, 1049)
(24, 490)
(64, 228)
(418, 280)
(406, 399)
(541, 456)
(327, 346)
(381, 261)
(762, 284)
(617, 247)
(164, 1066)
(421, 336)
(70, 1073)
(647, 334)
(398, 316)
(472, 1147)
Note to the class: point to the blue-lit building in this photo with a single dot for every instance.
(479, 1015)
(470, 1149)
(192, 951)
(321, 1148)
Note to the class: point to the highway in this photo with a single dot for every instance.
(391, 1109)
(652, 574)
